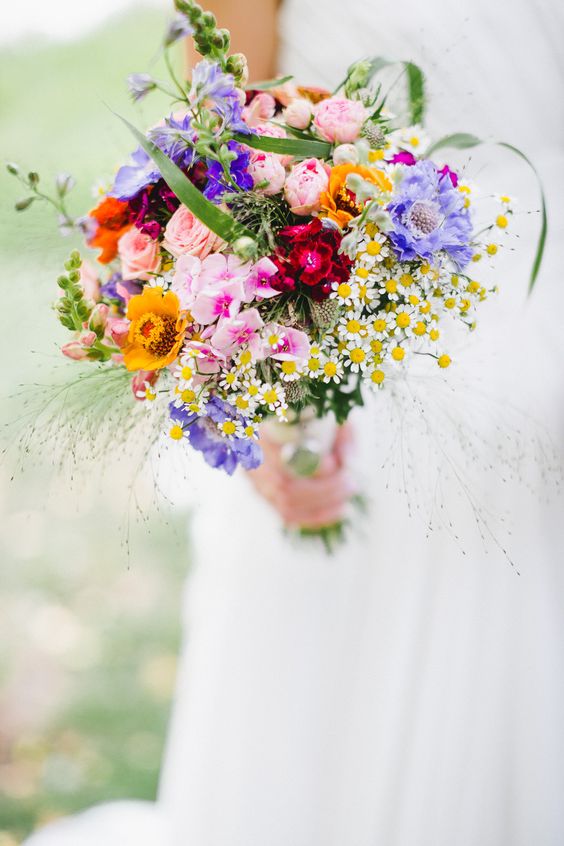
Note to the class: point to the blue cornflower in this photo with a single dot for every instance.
(428, 216)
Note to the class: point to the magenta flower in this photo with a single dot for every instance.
(287, 344)
(236, 331)
(257, 284)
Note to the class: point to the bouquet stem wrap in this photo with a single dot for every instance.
(305, 440)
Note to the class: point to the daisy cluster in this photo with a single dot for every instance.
(358, 249)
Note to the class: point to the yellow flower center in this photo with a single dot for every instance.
(357, 355)
(155, 333)
(398, 354)
(229, 427)
(403, 319)
(443, 361)
(176, 433)
(270, 396)
(344, 290)
(377, 377)
(373, 248)
(419, 328)
(330, 369)
(288, 367)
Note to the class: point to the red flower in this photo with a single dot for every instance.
(309, 256)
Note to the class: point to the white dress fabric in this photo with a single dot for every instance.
(409, 690)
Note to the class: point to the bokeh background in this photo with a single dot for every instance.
(89, 598)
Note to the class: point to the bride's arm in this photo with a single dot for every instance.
(253, 25)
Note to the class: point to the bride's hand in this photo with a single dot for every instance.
(306, 502)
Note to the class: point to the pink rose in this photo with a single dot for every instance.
(139, 255)
(267, 167)
(339, 120)
(305, 183)
(273, 130)
(184, 233)
(299, 113)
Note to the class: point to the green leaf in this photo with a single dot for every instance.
(300, 148)
(458, 141)
(416, 92)
(218, 221)
(266, 84)
(464, 141)
(415, 85)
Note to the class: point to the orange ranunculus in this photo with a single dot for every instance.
(156, 332)
(112, 216)
(338, 203)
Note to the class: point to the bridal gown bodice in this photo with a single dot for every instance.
(408, 691)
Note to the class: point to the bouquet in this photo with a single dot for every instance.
(273, 251)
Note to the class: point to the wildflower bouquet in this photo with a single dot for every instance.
(271, 250)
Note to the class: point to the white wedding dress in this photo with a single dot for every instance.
(408, 691)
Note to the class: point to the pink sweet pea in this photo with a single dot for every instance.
(74, 350)
(236, 331)
(257, 284)
(291, 344)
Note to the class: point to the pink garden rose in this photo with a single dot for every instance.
(139, 255)
(304, 184)
(339, 120)
(184, 233)
(299, 113)
(267, 167)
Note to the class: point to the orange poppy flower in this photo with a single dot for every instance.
(112, 216)
(156, 332)
(338, 203)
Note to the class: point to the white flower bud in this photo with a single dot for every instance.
(345, 154)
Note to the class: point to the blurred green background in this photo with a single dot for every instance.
(89, 598)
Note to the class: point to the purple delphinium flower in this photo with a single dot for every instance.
(211, 84)
(139, 85)
(217, 184)
(428, 216)
(132, 178)
(203, 435)
(176, 138)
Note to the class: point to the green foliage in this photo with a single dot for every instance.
(72, 307)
